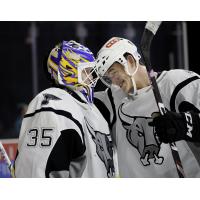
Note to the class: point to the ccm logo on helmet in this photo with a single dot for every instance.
(111, 42)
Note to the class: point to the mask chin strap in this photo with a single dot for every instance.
(134, 91)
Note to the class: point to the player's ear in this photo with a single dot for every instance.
(131, 63)
(130, 59)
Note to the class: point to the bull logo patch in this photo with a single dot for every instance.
(103, 148)
(142, 137)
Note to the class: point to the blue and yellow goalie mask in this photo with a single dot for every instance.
(73, 65)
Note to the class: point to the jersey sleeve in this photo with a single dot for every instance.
(186, 92)
(185, 96)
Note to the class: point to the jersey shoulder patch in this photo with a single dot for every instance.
(48, 97)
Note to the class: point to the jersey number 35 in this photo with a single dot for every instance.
(41, 137)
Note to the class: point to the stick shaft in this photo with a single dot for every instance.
(149, 32)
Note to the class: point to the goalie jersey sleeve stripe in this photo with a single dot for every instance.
(59, 112)
(177, 89)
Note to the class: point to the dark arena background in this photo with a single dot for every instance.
(25, 44)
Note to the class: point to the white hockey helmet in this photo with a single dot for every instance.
(114, 51)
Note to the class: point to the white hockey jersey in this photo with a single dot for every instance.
(63, 136)
(140, 154)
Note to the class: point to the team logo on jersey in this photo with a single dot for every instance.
(48, 97)
(103, 149)
(141, 136)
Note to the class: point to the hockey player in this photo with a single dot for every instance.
(128, 105)
(63, 134)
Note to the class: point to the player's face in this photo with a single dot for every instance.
(119, 77)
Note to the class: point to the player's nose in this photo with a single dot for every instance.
(115, 80)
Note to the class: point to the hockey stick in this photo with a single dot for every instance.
(148, 34)
(8, 162)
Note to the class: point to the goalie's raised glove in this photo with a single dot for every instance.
(172, 127)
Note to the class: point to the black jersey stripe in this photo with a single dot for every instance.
(177, 89)
(67, 148)
(58, 112)
(186, 106)
(113, 107)
(103, 109)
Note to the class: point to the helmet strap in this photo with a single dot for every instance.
(134, 91)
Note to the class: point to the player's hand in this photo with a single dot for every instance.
(172, 127)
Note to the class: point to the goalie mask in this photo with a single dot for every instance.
(72, 65)
(114, 51)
